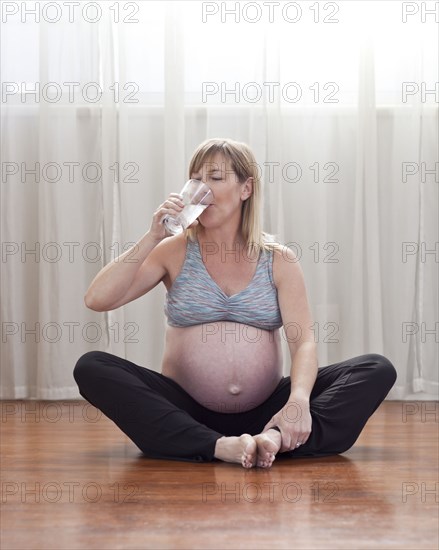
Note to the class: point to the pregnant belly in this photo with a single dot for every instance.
(227, 367)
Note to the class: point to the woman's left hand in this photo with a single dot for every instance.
(294, 421)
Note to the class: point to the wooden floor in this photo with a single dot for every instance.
(71, 479)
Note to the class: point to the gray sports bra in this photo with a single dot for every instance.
(195, 298)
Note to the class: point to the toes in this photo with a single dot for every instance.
(264, 464)
(250, 450)
(246, 462)
(267, 448)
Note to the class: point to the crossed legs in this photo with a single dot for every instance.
(164, 421)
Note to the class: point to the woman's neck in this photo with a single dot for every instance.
(222, 237)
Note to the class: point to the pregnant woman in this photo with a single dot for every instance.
(221, 394)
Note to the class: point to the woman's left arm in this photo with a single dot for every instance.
(294, 420)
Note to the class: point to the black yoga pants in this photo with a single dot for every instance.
(165, 422)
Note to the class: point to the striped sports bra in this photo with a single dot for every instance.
(195, 298)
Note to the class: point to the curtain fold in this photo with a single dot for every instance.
(366, 304)
(112, 130)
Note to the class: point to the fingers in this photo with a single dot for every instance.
(172, 206)
(286, 442)
(300, 440)
(291, 442)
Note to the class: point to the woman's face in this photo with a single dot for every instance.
(228, 192)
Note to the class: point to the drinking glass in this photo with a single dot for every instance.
(196, 196)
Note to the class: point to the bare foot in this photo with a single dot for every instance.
(268, 443)
(242, 449)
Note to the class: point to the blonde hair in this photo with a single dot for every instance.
(244, 165)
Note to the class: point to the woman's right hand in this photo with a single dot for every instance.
(172, 206)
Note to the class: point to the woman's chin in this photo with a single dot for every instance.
(204, 216)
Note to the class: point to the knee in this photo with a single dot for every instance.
(383, 369)
(84, 366)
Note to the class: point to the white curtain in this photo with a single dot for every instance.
(316, 89)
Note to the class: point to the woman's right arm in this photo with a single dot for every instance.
(136, 271)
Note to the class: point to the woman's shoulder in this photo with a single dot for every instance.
(285, 262)
(283, 251)
(278, 249)
(172, 250)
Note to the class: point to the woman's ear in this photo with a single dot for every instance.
(247, 189)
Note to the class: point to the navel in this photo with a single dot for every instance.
(234, 389)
